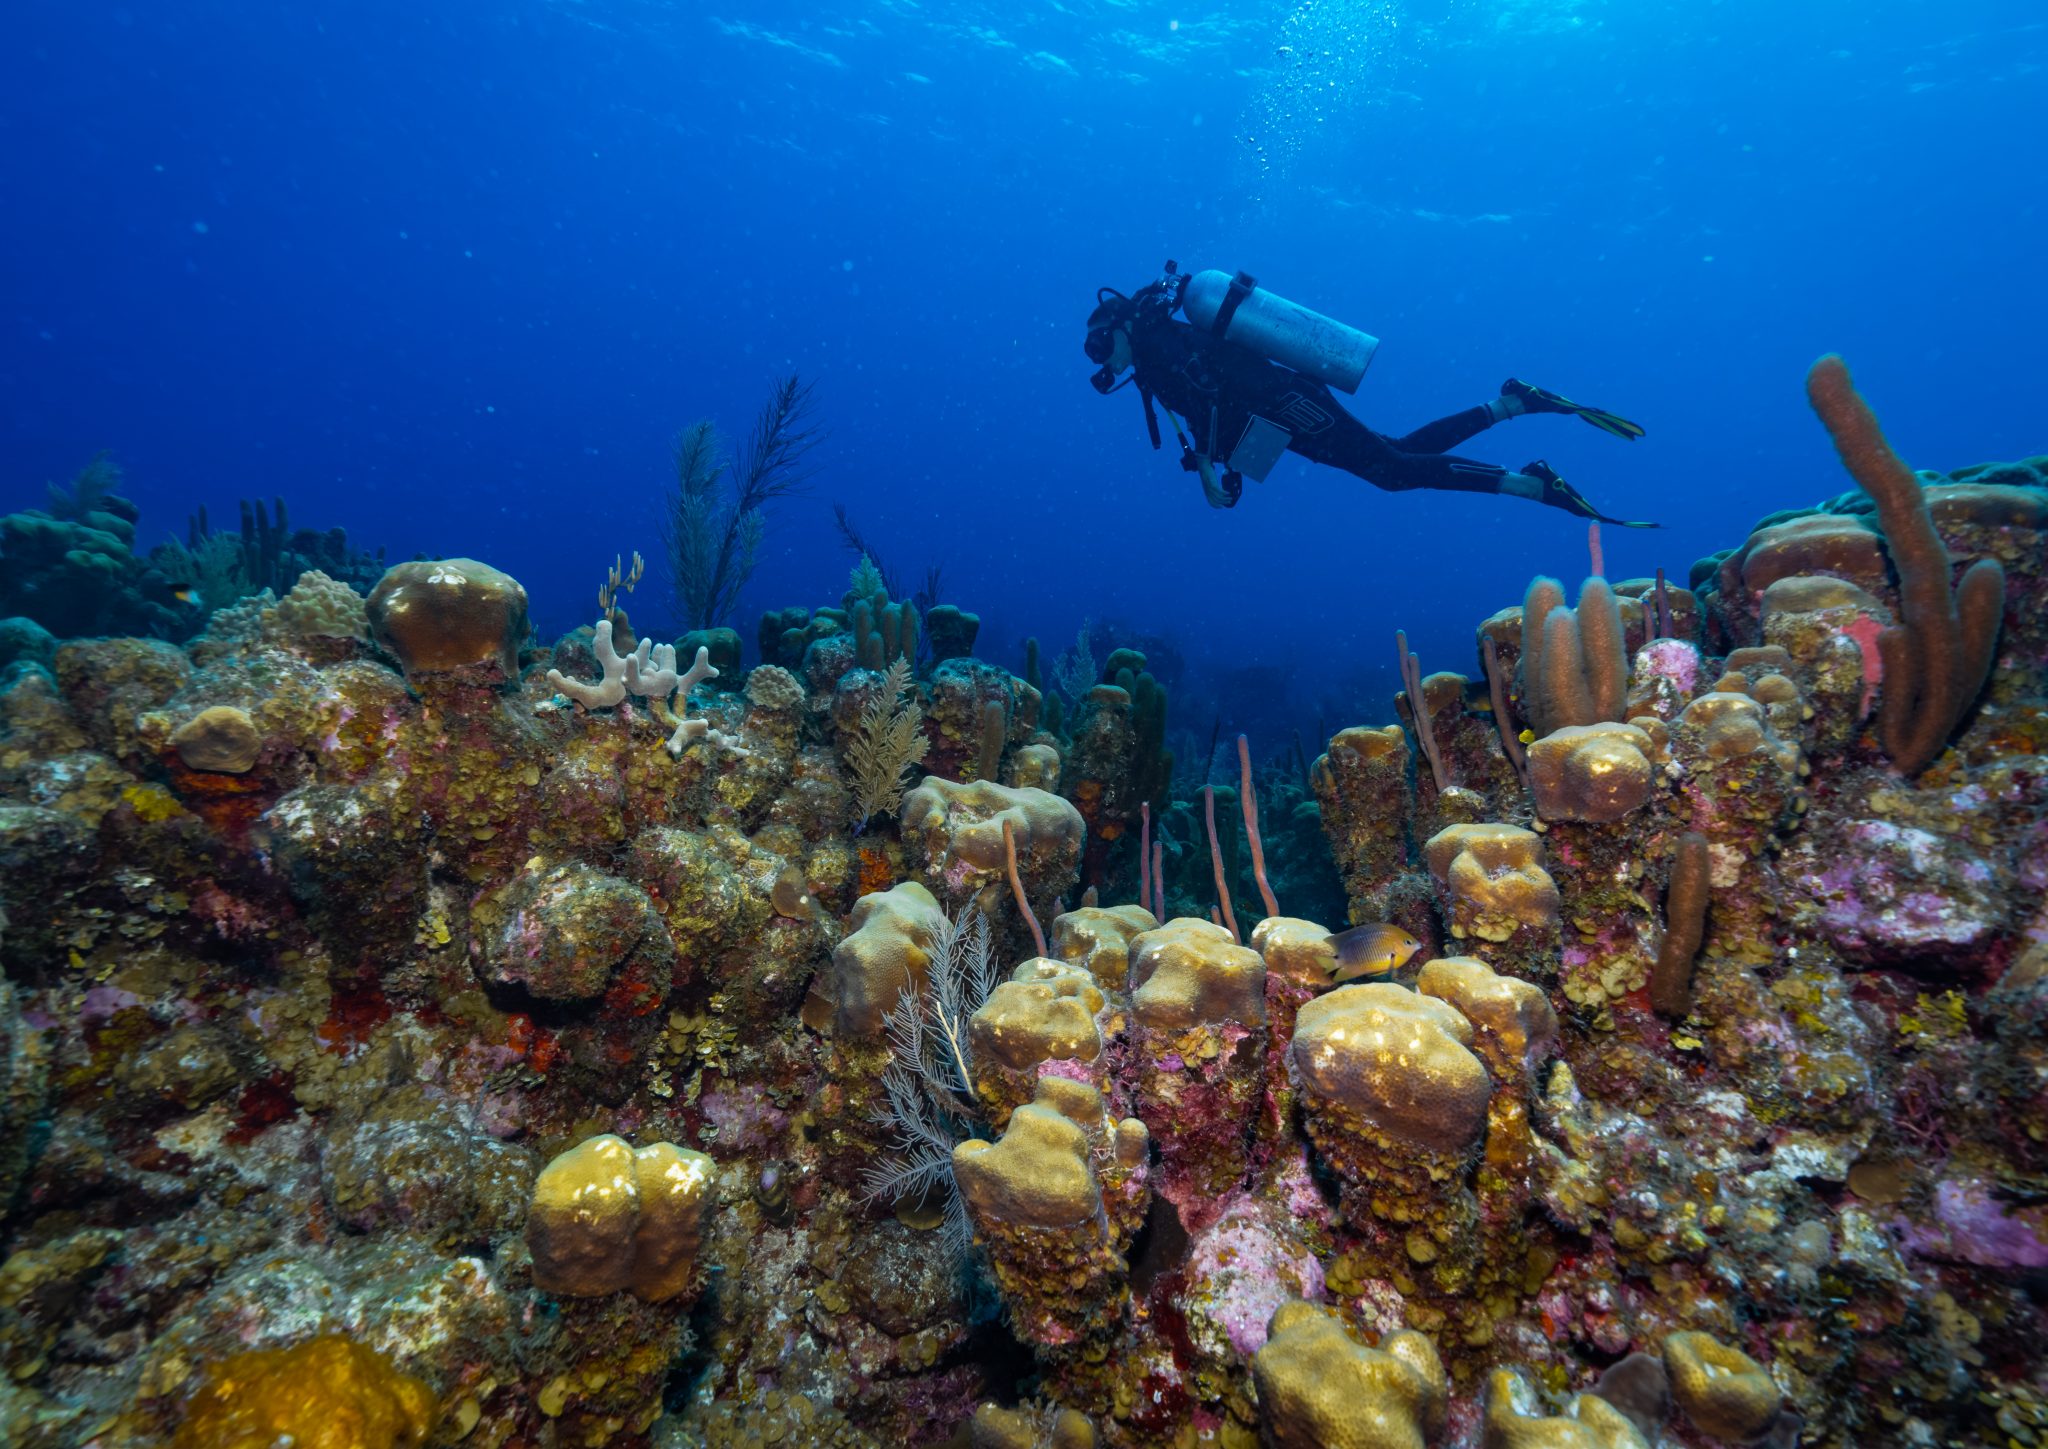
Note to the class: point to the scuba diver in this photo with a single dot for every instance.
(1250, 374)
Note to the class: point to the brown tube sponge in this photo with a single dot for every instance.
(1574, 661)
(1603, 651)
(1938, 656)
(1685, 925)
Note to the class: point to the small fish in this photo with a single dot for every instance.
(1378, 950)
(1527, 737)
(185, 594)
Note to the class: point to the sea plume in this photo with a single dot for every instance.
(886, 742)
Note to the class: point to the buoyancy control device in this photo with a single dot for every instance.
(1237, 309)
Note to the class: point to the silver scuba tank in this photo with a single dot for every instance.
(1277, 329)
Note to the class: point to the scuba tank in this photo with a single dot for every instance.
(1238, 310)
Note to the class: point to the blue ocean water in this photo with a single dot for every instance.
(453, 277)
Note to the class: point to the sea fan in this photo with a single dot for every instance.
(929, 1082)
(887, 741)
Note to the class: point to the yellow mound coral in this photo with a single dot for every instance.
(886, 953)
(1596, 772)
(1495, 889)
(1396, 1061)
(1724, 1391)
(1055, 1201)
(1319, 1388)
(964, 823)
(1190, 973)
(606, 1216)
(1296, 950)
(1514, 1025)
(326, 1393)
(1044, 1013)
(222, 740)
(1099, 938)
(1515, 1421)
(1396, 1104)
(995, 1427)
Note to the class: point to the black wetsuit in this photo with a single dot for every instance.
(1217, 387)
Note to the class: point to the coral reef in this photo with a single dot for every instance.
(397, 1043)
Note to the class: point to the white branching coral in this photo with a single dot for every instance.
(929, 1082)
(649, 672)
(886, 742)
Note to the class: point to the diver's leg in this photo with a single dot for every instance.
(1446, 433)
(1351, 445)
(1385, 463)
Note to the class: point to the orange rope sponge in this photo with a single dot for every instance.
(1017, 884)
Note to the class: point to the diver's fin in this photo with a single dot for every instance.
(1543, 400)
(1559, 494)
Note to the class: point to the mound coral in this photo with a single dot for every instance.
(1395, 1102)
(608, 1217)
(1056, 1200)
(1514, 1420)
(1721, 1389)
(448, 614)
(1319, 1388)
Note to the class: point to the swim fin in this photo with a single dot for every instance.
(1559, 494)
(1542, 400)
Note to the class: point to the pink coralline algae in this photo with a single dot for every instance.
(1239, 1270)
(1893, 893)
(1973, 1227)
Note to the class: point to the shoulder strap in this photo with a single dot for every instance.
(1241, 286)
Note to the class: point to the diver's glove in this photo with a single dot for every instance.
(1221, 493)
(1541, 400)
(1559, 494)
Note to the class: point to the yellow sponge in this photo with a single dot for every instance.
(326, 1393)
